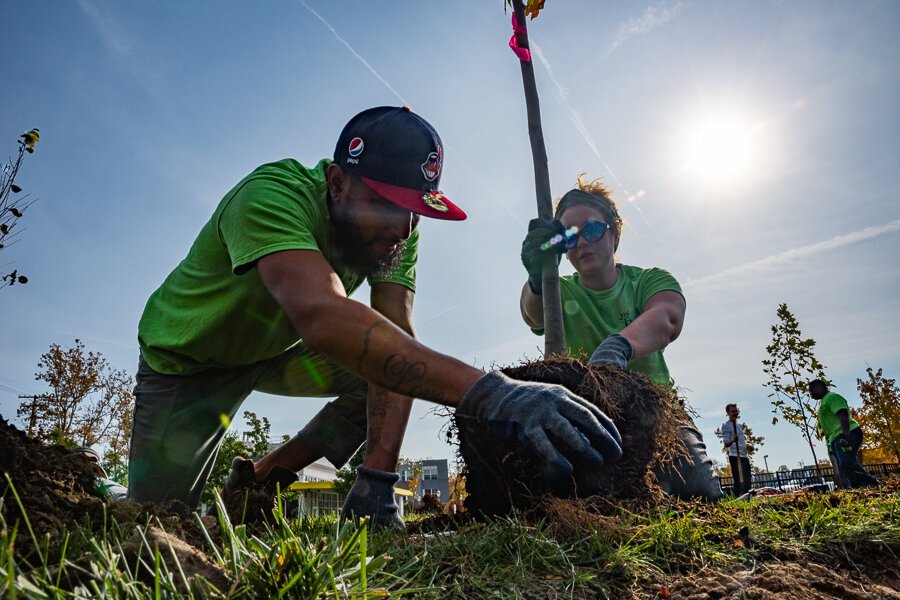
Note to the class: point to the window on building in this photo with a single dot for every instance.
(429, 472)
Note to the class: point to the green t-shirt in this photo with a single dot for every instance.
(213, 310)
(590, 316)
(829, 422)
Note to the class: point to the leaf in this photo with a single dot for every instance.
(23, 279)
(15, 211)
(533, 8)
(16, 189)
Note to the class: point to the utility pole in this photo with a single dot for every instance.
(766, 461)
(33, 418)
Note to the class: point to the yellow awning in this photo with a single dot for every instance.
(328, 485)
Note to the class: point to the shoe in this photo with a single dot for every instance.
(242, 493)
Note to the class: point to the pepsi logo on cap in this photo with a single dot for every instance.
(356, 147)
(431, 168)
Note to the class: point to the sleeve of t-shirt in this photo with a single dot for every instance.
(837, 403)
(405, 271)
(262, 217)
(654, 281)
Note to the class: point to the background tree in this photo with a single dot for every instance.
(12, 205)
(880, 413)
(790, 367)
(253, 443)
(89, 403)
(414, 479)
(457, 485)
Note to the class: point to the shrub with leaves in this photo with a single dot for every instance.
(13, 203)
(790, 367)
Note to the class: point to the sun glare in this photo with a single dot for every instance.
(720, 149)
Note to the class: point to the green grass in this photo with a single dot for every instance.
(609, 556)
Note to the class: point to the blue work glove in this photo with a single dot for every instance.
(372, 495)
(614, 351)
(555, 424)
(539, 232)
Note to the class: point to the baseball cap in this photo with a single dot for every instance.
(400, 156)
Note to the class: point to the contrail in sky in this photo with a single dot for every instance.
(354, 52)
(574, 117)
(372, 70)
(840, 241)
(653, 16)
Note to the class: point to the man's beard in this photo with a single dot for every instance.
(359, 256)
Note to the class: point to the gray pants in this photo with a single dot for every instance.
(692, 476)
(179, 420)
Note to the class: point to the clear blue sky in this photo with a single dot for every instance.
(753, 148)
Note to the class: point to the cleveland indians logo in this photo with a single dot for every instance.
(431, 168)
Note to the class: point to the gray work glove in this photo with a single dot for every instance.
(372, 495)
(614, 351)
(844, 445)
(556, 425)
(539, 232)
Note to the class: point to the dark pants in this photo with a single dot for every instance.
(740, 471)
(181, 420)
(851, 469)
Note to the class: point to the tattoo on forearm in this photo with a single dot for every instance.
(376, 409)
(407, 378)
(378, 401)
(365, 349)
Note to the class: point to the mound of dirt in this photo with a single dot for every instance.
(502, 475)
(56, 489)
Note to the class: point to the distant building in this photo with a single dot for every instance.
(316, 489)
(435, 478)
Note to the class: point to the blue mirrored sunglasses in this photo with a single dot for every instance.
(592, 232)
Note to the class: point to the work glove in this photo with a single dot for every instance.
(539, 232)
(845, 445)
(615, 351)
(372, 495)
(557, 426)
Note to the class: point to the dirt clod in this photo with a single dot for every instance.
(501, 475)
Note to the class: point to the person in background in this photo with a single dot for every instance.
(843, 434)
(738, 450)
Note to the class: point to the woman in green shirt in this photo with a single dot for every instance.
(617, 314)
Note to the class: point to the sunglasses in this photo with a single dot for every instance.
(592, 231)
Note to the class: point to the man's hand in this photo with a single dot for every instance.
(551, 421)
(614, 351)
(372, 495)
(539, 232)
(845, 445)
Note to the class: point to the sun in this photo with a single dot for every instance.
(720, 149)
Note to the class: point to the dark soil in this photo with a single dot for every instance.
(56, 489)
(501, 476)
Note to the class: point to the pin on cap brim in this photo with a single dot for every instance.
(422, 202)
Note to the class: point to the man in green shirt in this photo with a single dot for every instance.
(261, 302)
(617, 314)
(843, 434)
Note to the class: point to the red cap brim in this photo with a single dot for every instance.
(428, 204)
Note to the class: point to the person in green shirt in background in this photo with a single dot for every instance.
(617, 314)
(261, 302)
(843, 434)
